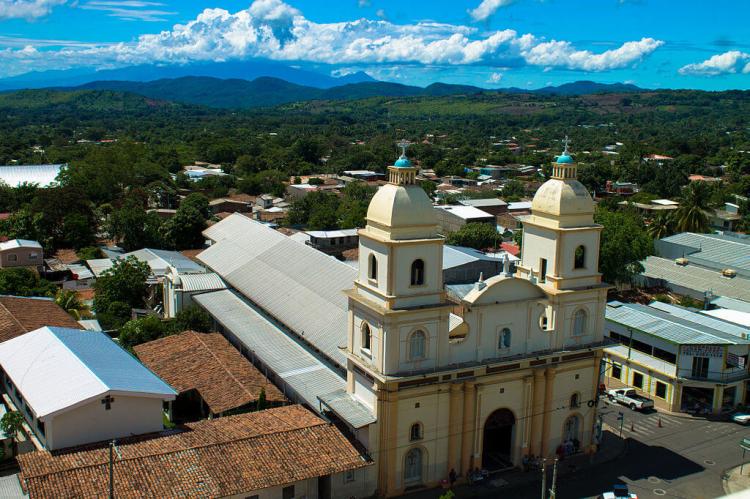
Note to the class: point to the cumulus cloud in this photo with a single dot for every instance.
(487, 8)
(730, 62)
(27, 9)
(272, 29)
(495, 78)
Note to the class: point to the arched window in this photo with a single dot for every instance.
(579, 323)
(575, 401)
(417, 342)
(417, 272)
(543, 322)
(415, 433)
(504, 339)
(372, 270)
(580, 258)
(366, 336)
(413, 466)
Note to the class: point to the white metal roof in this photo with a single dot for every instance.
(19, 243)
(325, 234)
(696, 278)
(735, 316)
(297, 284)
(465, 212)
(519, 205)
(80, 271)
(289, 359)
(483, 202)
(42, 175)
(665, 202)
(58, 369)
(159, 260)
(201, 282)
(455, 256)
(99, 265)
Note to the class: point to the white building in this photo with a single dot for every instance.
(75, 387)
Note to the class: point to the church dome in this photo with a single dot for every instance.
(401, 206)
(564, 158)
(402, 162)
(562, 197)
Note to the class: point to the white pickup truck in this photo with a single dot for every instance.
(628, 397)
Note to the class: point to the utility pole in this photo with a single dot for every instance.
(112, 469)
(553, 491)
(544, 478)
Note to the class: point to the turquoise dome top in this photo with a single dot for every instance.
(564, 158)
(402, 162)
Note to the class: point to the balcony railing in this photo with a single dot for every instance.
(717, 377)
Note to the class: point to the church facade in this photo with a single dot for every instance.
(510, 371)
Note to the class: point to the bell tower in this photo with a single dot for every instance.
(398, 303)
(560, 239)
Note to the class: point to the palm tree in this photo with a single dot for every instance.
(661, 226)
(68, 301)
(691, 214)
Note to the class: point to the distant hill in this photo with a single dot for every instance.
(243, 70)
(266, 91)
(588, 87)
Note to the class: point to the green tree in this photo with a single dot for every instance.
(68, 301)
(124, 283)
(624, 243)
(261, 404)
(514, 189)
(355, 201)
(691, 216)
(475, 235)
(318, 210)
(12, 423)
(185, 229)
(89, 253)
(143, 330)
(661, 226)
(20, 281)
(193, 319)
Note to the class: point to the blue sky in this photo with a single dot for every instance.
(489, 43)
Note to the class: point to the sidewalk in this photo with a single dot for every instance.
(734, 482)
(611, 448)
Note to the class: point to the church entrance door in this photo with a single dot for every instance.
(497, 443)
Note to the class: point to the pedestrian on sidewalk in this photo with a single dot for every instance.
(452, 477)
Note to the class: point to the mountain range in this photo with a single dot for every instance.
(248, 84)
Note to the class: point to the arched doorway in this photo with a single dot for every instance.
(413, 465)
(497, 443)
(572, 429)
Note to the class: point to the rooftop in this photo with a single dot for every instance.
(676, 325)
(696, 278)
(42, 175)
(298, 285)
(19, 243)
(58, 368)
(209, 364)
(465, 212)
(478, 203)
(21, 315)
(211, 458)
(454, 256)
(711, 250)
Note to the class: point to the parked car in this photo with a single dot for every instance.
(628, 397)
(618, 492)
(742, 418)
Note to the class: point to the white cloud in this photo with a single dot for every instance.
(495, 78)
(487, 8)
(272, 29)
(363, 3)
(27, 9)
(129, 10)
(727, 63)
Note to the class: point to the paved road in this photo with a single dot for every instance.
(684, 458)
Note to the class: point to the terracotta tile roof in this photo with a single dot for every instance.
(211, 458)
(511, 248)
(21, 315)
(190, 253)
(209, 364)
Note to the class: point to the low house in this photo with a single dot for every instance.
(652, 208)
(228, 205)
(210, 375)
(285, 452)
(21, 315)
(179, 289)
(75, 387)
(493, 206)
(21, 253)
(684, 360)
(451, 218)
(333, 242)
(726, 218)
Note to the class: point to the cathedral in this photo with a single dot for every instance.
(510, 371)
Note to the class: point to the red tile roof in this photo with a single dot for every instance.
(21, 315)
(209, 364)
(511, 248)
(211, 458)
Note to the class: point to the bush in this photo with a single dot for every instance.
(475, 235)
(90, 253)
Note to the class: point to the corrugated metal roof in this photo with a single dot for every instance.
(465, 212)
(298, 285)
(458, 291)
(81, 272)
(42, 175)
(201, 282)
(290, 359)
(56, 368)
(99, 265)
(696, 278)
(455, 256)
(698, 318)
(19, 243)
(731, 303)
(715, 250)
(159, 260)
(325, 234)
(673, 329)
(10, 487)
(342, 402)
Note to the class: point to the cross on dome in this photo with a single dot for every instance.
(566, 141)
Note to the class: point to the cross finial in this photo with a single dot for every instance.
(403, 144)
(566, 141)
